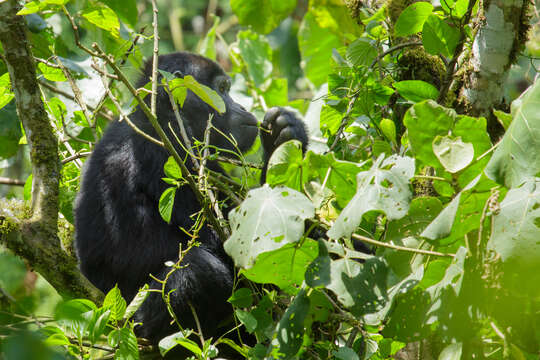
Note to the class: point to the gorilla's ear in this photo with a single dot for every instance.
(178, 73)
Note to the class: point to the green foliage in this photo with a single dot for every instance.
(513, 163)
(412, 19)
(450, 222)
(251, 12)
(179, 88)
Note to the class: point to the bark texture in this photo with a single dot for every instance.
(502, 32)
(35, 238)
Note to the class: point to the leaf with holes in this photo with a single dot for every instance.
(384, 187)
(266, 220)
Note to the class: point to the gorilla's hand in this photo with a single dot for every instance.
(279, 126)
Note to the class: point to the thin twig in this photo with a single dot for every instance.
(400, 248)
(155, 59)
(78, 95)
(76, 33)
(392, 49)
(76, 156)
(199, 329)
(101, 101)
(239, 162)
(72, 98)
(344, 122)
(123, 116)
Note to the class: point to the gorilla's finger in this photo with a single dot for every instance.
(281, 122)
(285, 135)
(270, 116)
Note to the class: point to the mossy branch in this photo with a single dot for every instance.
(35, 237)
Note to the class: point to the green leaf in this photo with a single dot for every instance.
(57, 340)
(456, 8)
(427, 120)
(416, 90)
(318, 272)
(379, 188)
(451, 352)
(453, 153)
(504, 119)
(284, 267)
(359, 287)
(388, 127)
(208, 47)
(361, 52)
(50, 73)
(338, 175)
(73, 309)
(443, 223)
(277, 93)
(126, 342)
(316, 44)
(330, 120)
(266, 220)
(12, 272)
(125, 9)
(251, 12)
(10, 131)
(5, 90)
(179, 338)
(171, 341)
(166, 203)
(438, 37)
(137, 301)
(171, 169)
(412, 19)
(116, 303)
(345, 353)
(514, 161)
(247, 319)
(516, 227)
(285, 165)
(290, 330)
(424, 121)
(242, 297)
(404, 232)
(179, 89)
(97, 322)
(104, 18)
(34, 6)
(257, 55)
(27, 190)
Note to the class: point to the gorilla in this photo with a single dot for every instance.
(120, 237)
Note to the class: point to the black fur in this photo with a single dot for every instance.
(121, 238)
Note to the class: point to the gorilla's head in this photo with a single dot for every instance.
(235, 122)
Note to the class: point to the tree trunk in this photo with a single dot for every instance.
(35, 239)
(502, 32)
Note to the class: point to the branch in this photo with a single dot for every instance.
(400, 248)
(35, 237)
(450, 70)
(13, 182)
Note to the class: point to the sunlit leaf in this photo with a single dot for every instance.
(266, 220)
(412, 19)
(104, 18)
